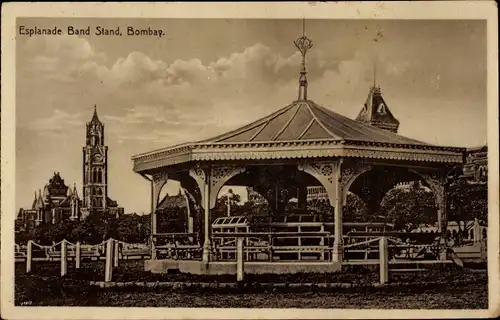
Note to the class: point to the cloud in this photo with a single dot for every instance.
(146, 115)
(149, 99)
(62, 58)
(58, 123)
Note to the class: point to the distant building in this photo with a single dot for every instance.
(316, 193)
(95, 172)
(58, 202)
(173, 214)
(170, 202)
(476, 164)
(473, 229)
(376, 113)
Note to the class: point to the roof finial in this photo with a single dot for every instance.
(304, 44)
(378, 37)
(303, 27)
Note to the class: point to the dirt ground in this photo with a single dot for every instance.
(45, 288)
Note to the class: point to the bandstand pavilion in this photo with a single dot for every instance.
(302, 144)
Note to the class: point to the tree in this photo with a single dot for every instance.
(468, 201)
(42, 234)
(355, 209)
(22, 237)
(408, 208)
(220, 209)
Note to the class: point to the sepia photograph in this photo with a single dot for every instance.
(250, 161)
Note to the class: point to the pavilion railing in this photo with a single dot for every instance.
(176, 245)
(270, 246)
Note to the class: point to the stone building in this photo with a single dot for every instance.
(58, 202)
(476, 164)
(95, 171)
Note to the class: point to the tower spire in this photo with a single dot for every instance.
(304, 44)
(95, 118)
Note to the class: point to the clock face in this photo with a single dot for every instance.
(97, 157)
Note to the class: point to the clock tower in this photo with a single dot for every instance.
(95, 166)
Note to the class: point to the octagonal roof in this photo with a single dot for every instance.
(305, 120)
(302, 129)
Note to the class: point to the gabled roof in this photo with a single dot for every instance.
(305, 120)
(376, 113)
(169, 202)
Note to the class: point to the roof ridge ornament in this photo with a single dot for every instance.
(304, 44)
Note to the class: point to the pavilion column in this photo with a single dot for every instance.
(337, 253)
(206, 219)
(330, 175)
(442, 209)
(157, 182)
(190, 222)
(442, 218)
(202, 177)
(439, 186)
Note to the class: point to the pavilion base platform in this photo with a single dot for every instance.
(229, 267)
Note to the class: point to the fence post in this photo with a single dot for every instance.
(108, 272)
(77, 255)
(115, 255)
(29, 253)
(384, 267)
(64, 261)
(239, 260)
(483, 248)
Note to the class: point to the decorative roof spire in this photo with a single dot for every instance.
(95, 118)
(39, 201)
(34, 201)
(75, 192)
(304, 44)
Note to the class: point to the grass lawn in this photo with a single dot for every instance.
(44, 287)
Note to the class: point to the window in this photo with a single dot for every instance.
(381, 108)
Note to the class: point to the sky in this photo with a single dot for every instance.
(209, 76)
